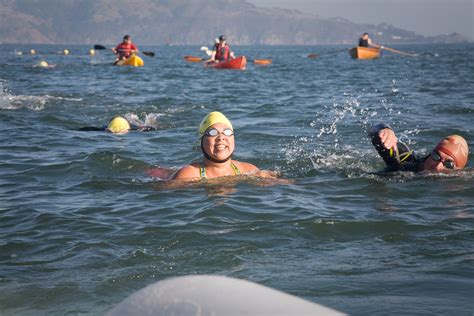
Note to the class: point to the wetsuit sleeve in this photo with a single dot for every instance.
(404, 158)
(146, 129)
(142, 128)
(91, 129)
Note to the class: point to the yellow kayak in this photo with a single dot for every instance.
(133, 60)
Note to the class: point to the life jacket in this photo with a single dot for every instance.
(363, 42)
(222, 52)
(125, 50)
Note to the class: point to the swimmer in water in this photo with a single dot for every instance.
(119, 125)
(44, 64)
(451, 153)
(216, 135)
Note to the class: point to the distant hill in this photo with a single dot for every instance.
(182, 22)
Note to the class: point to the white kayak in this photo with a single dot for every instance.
(215, 295)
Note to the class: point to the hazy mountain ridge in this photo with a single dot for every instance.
(182, 22)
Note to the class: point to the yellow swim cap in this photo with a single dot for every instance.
(118, 125)
(66, 52)
(211, 119)
(43, 64)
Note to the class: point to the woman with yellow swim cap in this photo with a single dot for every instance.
(217, 145)
(118, 125)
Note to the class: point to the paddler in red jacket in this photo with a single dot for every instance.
(125, 49)
(221, 51)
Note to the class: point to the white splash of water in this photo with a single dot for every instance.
(9, 101)
(150, 119)
(332, 146)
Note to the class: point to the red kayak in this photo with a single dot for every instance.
(236, 63)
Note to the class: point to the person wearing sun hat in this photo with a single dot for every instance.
(449, 154)
(216, 135)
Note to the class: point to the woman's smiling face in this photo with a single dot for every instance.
(219, 147)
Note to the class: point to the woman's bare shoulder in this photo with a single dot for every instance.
(190, 171)
(245, 167)
(252, 170)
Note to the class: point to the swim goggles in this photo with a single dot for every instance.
(448, 163)
(212, 132)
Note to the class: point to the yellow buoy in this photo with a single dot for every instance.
(92, 52)
(43, 64)
(66, 52)
(32, 51)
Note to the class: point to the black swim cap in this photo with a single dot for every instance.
(126, 37)
(222, 38)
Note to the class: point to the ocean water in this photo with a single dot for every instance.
(82, 224)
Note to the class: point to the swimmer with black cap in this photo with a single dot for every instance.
(119, 125)
(216, 135)
(451, 153)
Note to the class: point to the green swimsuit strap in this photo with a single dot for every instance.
(234, 167)
(202, 170)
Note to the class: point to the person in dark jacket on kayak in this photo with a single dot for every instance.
(221, 51)
(125, 49)
(449, 154)
(365, 41)
(118, 125)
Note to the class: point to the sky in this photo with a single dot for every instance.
(425, 17)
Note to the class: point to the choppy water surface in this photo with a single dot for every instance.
(82, 226)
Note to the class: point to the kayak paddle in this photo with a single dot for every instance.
(146, 53)
(326, 53)
(194, 59)
(260, 61)
(398, 51)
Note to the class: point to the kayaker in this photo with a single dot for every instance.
(365, 41)
(119, 125)
(125, 49)
(449, 154)
(221, 51)
(216, 136)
